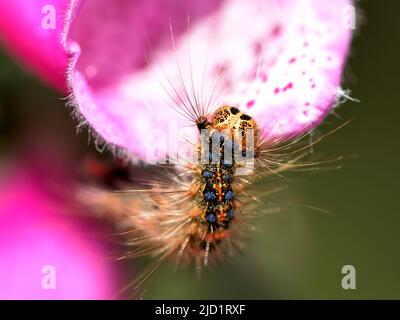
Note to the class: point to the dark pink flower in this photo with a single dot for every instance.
(37, 237)
(28, 34)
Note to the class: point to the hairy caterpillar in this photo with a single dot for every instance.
(197, 213)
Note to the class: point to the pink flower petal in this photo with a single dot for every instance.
(25, 31)
(35, 233)
(281, 61)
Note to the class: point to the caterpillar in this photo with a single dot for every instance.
(198, 213)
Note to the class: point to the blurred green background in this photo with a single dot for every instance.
(298, 253)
